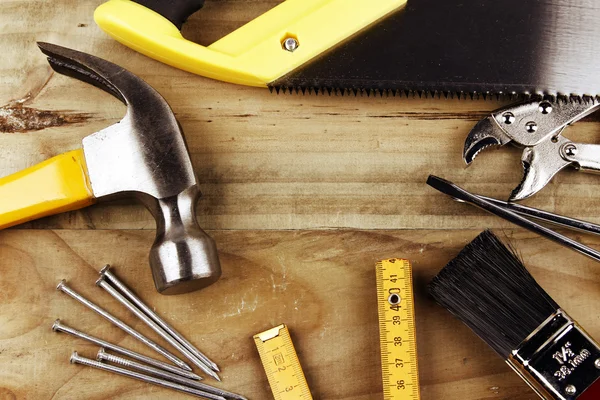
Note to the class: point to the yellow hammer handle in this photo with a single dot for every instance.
(56, 185)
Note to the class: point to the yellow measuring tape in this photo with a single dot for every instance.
(279, 358)
(397, 330)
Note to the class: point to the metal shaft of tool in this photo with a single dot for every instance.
(154, 326)
(77, 359)
(545, 216)
(62, 286)
(128, 293)
(462, 195)
(58, 326)
(104, 356)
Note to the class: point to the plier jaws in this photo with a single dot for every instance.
(537, 127)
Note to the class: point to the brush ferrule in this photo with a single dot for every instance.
(558, 360)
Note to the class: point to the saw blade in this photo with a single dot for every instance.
(465, 48)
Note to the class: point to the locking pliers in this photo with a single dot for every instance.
(538, 127)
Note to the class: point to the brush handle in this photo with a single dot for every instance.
(591, 393)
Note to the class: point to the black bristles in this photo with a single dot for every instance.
(487, 287)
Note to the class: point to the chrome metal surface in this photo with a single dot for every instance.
(77, 359)
(145, 156)
(545, 216)
(104, 356)
(131, 296)
(585, 157)
(58, 326)
(154, 326)
(537, 126)
(290, 44)
(549, 124)
(531, 127)
(183, 257)
(459, 194)
(487, 133)
(569, 150)
(62, 286)
(540, 163)
(508, 118)
(558, 341)
(545, 107)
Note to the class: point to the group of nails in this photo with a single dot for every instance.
(178, 376)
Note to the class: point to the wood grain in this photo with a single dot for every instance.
(321, 283)
(270, 161)
(303, 194)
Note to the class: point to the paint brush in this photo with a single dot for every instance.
(489, 289)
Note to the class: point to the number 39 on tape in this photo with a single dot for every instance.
(397, 331)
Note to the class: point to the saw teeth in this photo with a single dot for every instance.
(332, 88)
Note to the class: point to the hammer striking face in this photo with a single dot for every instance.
(143, 156)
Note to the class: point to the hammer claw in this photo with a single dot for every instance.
(83, 67)
(144, 156)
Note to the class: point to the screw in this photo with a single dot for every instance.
(77, 359)
(570, 390)
(570, 150)
(58, 326)
(128, 293)
(531, 127)
(114, 293)
(545, 107)
(104, 356)
(508, 118)
(62, 286)
(290, 44)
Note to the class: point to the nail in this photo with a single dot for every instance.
(77, 359)
(114, 293)
(104, 356)
(62, 286)
(58, 326)
(131, 296)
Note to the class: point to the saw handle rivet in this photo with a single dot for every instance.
(545, 107)
(570, 390)
(290, 44)
(531, 127)
(508, 118)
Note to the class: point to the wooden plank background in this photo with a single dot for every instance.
(303, 194)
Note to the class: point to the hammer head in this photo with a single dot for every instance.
(145, 156)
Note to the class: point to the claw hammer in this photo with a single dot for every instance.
(143, 156)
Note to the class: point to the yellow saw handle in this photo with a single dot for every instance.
(56, 185)
(254, 54)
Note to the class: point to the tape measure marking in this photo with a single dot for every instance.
(397, 330)
(281, 363)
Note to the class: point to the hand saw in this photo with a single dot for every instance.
(450, 47)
